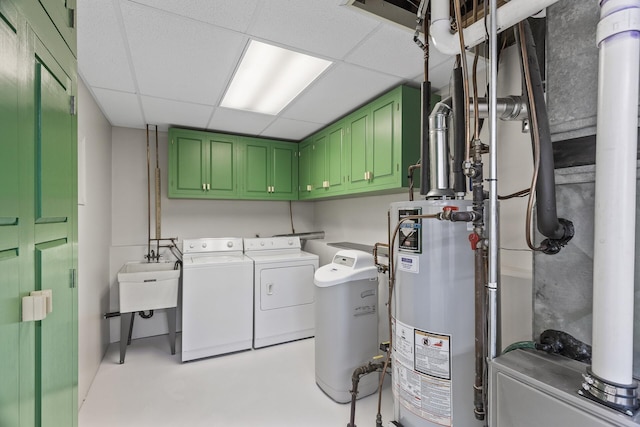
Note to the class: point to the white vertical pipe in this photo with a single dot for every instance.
(508, 15)
(615, 193)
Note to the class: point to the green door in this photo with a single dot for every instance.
(9, 223)
(319, 164)
(284, 171)
(55, 361)
(55, 216)
(256, 164)
(382, 141)
(63, 16)
(222, 172)
(359, 150)
(304, 171)
(191, 154)
(334, 159)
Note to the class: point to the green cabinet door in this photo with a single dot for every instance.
(222, 166)
(55, 207)
(327, 162)
(9, 226)
(56, 404)
(319, 163)
(202, 164)
(256, 169)
(305, 184)
(284, 171)
(359, 153)
(385, 141)
(269, 169)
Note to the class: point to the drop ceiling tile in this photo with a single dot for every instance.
(295, 130)
(102, 56)
(165, 113)
(319, 27)
(238, 121)
(342, 89)
(121, 108)
(391, 50)
(178, 58)
(223, 13)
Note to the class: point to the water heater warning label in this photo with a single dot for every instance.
(410, 238)
(410, 263)
(422, 372)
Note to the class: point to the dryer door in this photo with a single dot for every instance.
(286, 286)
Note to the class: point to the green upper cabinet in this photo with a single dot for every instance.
(383, 140)
(202, 164)
(327, 161)
(269, 169)
(305, 185)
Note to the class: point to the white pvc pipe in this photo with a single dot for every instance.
(508, 15)
(615, 193)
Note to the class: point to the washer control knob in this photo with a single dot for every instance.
(204, 244)
(261, 243)
(229, 244)
(290, 242)
(191, 245)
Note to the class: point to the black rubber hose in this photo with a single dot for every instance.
(425, 170)
(459, 182)
(547, 215)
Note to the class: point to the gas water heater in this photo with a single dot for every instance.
(433, 318)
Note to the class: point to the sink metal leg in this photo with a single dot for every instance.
(126, 325)
(171, 320)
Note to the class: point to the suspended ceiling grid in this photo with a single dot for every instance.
(168, 63)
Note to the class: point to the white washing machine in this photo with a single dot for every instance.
(284, 299)
(217, 297)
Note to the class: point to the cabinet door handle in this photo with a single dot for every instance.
(325, 184)
(208, 186)
(204, 186)
(309, 187)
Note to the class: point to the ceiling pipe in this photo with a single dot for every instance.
(508, 15)
(610, 379)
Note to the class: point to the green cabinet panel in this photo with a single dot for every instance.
(269, 169)
(53, 147)
(202, 164)
(383, 140)
(327, 161)
(284, 166)
(55, 336)
(358, 133)
(304, 169)
(222, 160)
(9, 190)
(256, 164)
(9, 334)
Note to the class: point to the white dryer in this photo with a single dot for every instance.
(217, 297)
(284, 300)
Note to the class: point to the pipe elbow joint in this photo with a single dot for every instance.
(553, 246)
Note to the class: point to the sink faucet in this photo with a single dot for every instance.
(152, 256)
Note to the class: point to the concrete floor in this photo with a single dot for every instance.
(273, 386)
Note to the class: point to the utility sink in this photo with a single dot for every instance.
(148, 286)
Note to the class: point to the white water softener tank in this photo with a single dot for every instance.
(433, 321)
(346, 323)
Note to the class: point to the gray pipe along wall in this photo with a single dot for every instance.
(563, 282)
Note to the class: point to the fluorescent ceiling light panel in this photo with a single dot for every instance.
(270, 77)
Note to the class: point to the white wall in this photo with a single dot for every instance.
(94, 236)
(182, 218)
